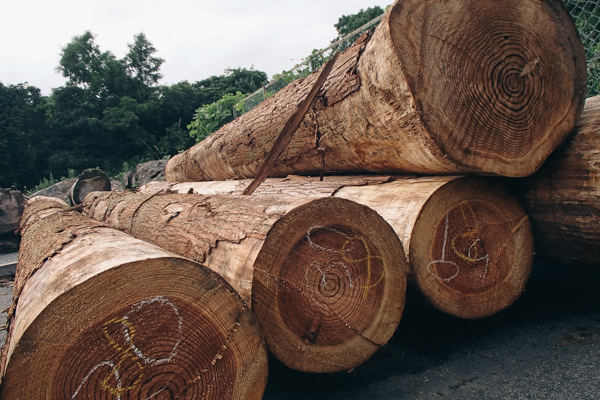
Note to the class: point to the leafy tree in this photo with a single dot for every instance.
(140, 62)
(109, 110)
(349, 23)
(211, 117)
(217, 102)
(23, 141)
(233, 80)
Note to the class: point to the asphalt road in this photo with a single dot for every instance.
(545, 346)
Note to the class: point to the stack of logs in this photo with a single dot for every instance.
(441, 90)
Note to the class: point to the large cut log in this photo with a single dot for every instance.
(442, 87)
(563, 198)
(326, 277)
(468, 241)
(73, 190)
(99, 314)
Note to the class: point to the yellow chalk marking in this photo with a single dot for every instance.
(124, 354)
(368, 258)
(470, 234)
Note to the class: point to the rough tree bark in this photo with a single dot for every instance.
(563, 198)
(442, 87)
(468, 241)
(99, 314)
(326, 277)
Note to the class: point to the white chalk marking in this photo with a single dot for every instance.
(138, 352)
(324, 273)
(444, 261)
(319, 247)
(99, 365)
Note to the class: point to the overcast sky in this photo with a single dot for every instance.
(196, 39)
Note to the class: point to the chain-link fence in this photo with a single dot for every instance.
(308, 66)
(586, 14)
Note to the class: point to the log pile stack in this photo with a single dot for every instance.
(98, 313)
(443, 90)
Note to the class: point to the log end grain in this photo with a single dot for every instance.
(90, 180)
(329, 285)
(471, 249)
(115, 317)
(498, 84)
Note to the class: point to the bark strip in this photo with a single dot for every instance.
(288, 130)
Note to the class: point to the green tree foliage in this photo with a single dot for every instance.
(587, 19)
(217, 101)
(349, 23)
(23, 140)
(211, 117)
(140, 63)
(111, 110)
(234, 80)
(109, 113)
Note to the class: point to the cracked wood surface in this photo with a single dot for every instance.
(442, 87)
(98, 312)
(475, 267)
(326, 277)
(283, 139)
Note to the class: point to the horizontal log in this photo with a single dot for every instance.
(467, 240)
(442, 87)
(326, 277)
(99, 314)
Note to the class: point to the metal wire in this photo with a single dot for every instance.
(586, 14)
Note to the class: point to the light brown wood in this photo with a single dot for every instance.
(442, 87)
(475, 268)
(563, 198)
(468, 241)
(326, 277)
(99, 314)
